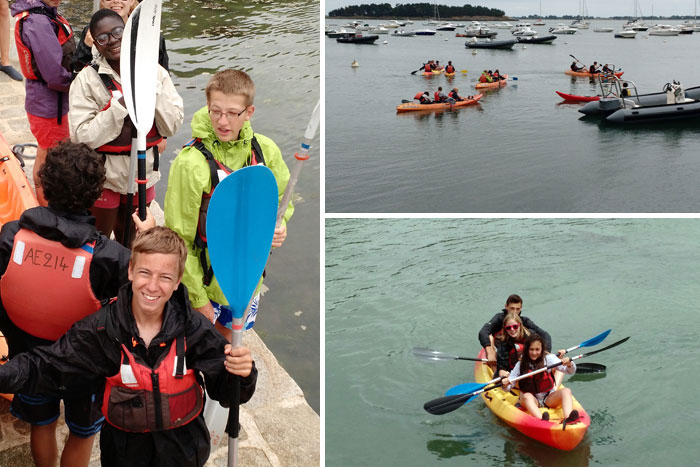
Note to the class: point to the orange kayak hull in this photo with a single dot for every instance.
(414, 106)
(16, 194)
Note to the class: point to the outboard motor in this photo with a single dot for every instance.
(674, 93)
(609, 105)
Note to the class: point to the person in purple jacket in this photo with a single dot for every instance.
(45, 46)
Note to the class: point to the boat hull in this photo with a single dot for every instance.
(358, 39)
(506, 44)
(413, 106)
(502, 404)
(656, 113)
(585, 74)
(537, 39)
(644, 100)
(495, 85)
(16, 194)
(575, 98)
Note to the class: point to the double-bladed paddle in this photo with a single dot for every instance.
(240, 227)
(139, 71)
(300, 157)
(453, 401)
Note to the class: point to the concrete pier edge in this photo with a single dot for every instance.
(279, 428)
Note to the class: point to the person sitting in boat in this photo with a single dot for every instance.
(493, 327)
(439, 96)
(423, 97)
(510, 343)
(497, 76)
(428, 67)
(594, 68)
(437, 66)
(577, 68)
(454, 94)
(449, 68)
(540, 390)
(606, 69)
(625, 91)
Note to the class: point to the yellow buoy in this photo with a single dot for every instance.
(354, 64)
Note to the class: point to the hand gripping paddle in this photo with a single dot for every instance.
(240, 226)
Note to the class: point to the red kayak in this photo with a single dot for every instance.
(574, 98)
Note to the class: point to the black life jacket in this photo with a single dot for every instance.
(121, 145)
(539, 383)
(200, 240)
(64, 34)
(141, 399)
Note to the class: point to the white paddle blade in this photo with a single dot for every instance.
(139, 63)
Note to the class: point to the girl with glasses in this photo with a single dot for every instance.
(510, 343)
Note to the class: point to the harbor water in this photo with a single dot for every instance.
(277, 44)
(393, 284)
(521, 149)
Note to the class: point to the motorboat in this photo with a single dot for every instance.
(503, 25)
(357, 39)
(524, 31)
(336, 33)
(635, 25)
(626, 34)
(603, 29)
(539, 22)
(548, 39)
(425, 32)
(402, 33)
(664, 30)
(378, 30)
(473, 43)
(563, 29)
(446, 27)
(580, 24)
(481, 32)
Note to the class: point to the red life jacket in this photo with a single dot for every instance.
(64, 34)
(541, 382)
(140, 399)
(428, 68)
(418, 96)
(256, 157)
(122, 144)
(46, 287)
(436, 96)
(514, 355)
(449, 69)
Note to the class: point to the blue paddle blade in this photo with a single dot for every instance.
(595, 340)
(240, 227)
(465, 388)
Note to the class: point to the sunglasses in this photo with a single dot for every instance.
(512, 327)
(117, 33)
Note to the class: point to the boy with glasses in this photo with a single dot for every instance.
(223, 142)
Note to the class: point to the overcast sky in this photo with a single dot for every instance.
(600, 8)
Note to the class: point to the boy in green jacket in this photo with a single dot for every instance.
(223, 142)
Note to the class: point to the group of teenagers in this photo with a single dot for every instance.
(488, 76)
(439, 96)
(515, 345)
(434, 65)
(127, 333)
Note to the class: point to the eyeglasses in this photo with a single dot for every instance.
(103, 39)
(216, 114)
(512, 327)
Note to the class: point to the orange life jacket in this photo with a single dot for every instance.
(436, 96)
(141, 399)
(428, 68)
(122, 144)
(65, 37)
(418, 96)
(46, 287)
(449, 69)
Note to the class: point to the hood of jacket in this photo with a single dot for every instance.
(203, 129)
(71, 230)
(23, 5)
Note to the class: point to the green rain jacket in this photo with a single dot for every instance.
(189, 178)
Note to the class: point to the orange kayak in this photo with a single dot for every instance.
(16, 194)
(3, 360)
(413, 106)
(550, 432)
(495, 85)
(587, 74)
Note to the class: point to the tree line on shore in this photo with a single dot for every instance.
(414, 10)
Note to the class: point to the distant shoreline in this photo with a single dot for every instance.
(508, 18)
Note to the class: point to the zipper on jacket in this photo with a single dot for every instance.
(157, 400)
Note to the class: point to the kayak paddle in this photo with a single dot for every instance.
(300, 157)
(139, 64)
(419, 69)
(435, 355)
(453, 401)
(240, 226)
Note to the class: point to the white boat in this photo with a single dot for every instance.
(524, 31)
(378, 30)
(402, 33)
(393, 24)
(481, 32)
(446, 27)
(503, 25)
(539, 22)
(563, 29)
(580, 24)
(626, 34)
(425, 32)
(664, 30)
(603, 29)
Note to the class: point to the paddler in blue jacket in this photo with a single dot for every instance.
(57, 268)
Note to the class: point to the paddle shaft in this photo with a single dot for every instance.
(299, 157)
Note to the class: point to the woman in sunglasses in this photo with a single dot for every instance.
(510, 343)
(98, 117)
